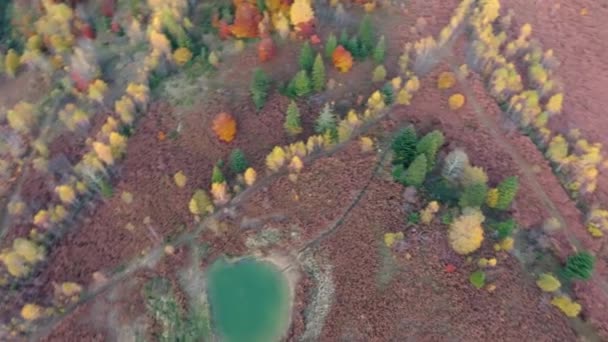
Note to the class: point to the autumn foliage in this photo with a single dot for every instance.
(342, 59)
(224, 126)
(266, 49)
(246, 20)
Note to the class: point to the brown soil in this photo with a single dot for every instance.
(422, 301)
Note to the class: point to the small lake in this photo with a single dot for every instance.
(249, 300)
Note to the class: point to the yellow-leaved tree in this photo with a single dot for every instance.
(466, 234)
(276, 159)
(250, 176)
(66, 193)
(200, 204)
(97, 90)
(301, 12)
(21, 118)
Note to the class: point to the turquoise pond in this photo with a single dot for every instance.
(249, 300)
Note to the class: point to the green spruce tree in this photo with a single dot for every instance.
(318, 74)
(343, 40)
(292, 120)
(326, 120)
(367, 35)
(259, 88)
(301, 84)
(429, 145)
(307, 57)
(388, 93)
(238, 162)
(217, 176)
(404, 147)
(473, 196)
(380, 51)
(416, 173)
(507, 189)
(330, 45)
(355, 48)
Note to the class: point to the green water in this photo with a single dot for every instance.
(249, 300)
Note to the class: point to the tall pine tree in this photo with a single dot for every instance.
(366, 34)
(343, 40)
(259, 88)
(238, 162)
(292, 120)
(300, 85)
(318, 74)
(507, 189)
(330, 45)
(307, 57)
(404, 147)
(326, 120)
(379, 51)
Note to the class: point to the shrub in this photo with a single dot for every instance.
(548, 283)
(456, 101)
(238, 162)
(182, 56)
(567, 306)
(446, 80)
(259, 88)
(250, 176)
(11, 63)
(478, 279)
(391, 238)
(307, 58)
(429, 145)
(292, 120)
(579, 266)
(318, 74)
(504, 229)
(507, 189)
(466, 234)
(330, 45)
(473, 196)
(413, 218)
(379, 51)
(416, 172)
(379, 73)
(404, 146)
(200, 203)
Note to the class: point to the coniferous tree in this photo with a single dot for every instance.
(388, 93)
(507, 189)
(301, 84)
(355, 48)
(416, 173)
(429, 145)
(318, 74)
(366, 34)
(330, 45)
(404, 147)
(380, 51)
(326, 120)
(343, 40)
(473, 196)
(379, 73)
(292, 120)
(259, 88)
(307, 57)
(217, 176)
(238, 162)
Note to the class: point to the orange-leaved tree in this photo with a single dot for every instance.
(342, 59)
(246, 20)
(224, 126)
